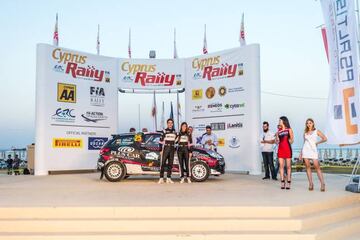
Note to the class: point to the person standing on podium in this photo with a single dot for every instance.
(267, 151)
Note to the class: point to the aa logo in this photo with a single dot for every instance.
(197, 94)
(66, 93)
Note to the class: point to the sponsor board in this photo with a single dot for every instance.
(234, 125)
(210, 92)
(218, 126)
(66, 93)
(234, 142)
(222, 91)
(198, 108)
(197, 94)
(97, 96)
(67, 143)
(147, 75)
(84, 133)
(96, 143)
(215, 107)
(221, 142)
(64, 115)
(234, 105)
(93, 117)
(72, 64)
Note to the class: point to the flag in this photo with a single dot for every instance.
(323, 33)
(129, 46)
(175, 50)
(163, 116)
(343, 110)
(98, 41)
(178, 107)
(56, 33)
(154, 112)
(171, 111)
(205, 50)
(242, 32)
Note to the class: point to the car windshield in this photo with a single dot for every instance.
(152, 139)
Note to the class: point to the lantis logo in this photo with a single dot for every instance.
(96, 143)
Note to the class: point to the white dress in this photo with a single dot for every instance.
(309, 149)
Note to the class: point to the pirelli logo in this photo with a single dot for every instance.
(67, 143)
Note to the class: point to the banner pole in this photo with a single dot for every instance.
(177, 108)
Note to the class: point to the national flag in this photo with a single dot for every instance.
(242, 32)
(323, 33)
(154, 112)
(129, 46)
(163, 116)
(171, 111)
(205, 50)
(56, 33)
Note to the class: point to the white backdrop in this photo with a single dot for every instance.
(76, 102)
(223, 91)
(76, 108)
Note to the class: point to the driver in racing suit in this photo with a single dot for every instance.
(167, 157)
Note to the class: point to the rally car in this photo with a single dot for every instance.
(139, 154)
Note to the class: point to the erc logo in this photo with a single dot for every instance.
(66, 93)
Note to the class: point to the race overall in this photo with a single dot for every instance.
(168, 138)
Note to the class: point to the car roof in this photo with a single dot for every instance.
(131, 134)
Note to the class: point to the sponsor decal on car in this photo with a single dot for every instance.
(151, 156)
(96, 143)
(126, 149)
(66, 93)
(64, 115)
(67, 143)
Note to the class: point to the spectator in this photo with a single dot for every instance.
(132, 130)
(267, 150)
(9, 163)
(144, 130)
(16, 165)
(209, 139)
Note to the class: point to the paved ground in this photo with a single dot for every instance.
(227, 190)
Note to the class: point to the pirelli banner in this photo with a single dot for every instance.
(76, 108)
(223, 91)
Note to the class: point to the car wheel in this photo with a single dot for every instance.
(115, 171)
(200, 171)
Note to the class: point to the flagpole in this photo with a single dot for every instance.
(178, 115)
(139, 117)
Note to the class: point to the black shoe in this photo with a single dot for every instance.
(275, 179)
(264, 178)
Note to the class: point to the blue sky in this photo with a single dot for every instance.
(293, 60)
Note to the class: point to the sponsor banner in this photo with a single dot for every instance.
(67, 143)
(96, 143)
(76, 108)
(343, 101)
(225, 94)
(151, 74)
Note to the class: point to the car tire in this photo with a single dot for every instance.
(200, 171)
(114, 171)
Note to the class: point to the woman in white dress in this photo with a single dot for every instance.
(309, 152)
